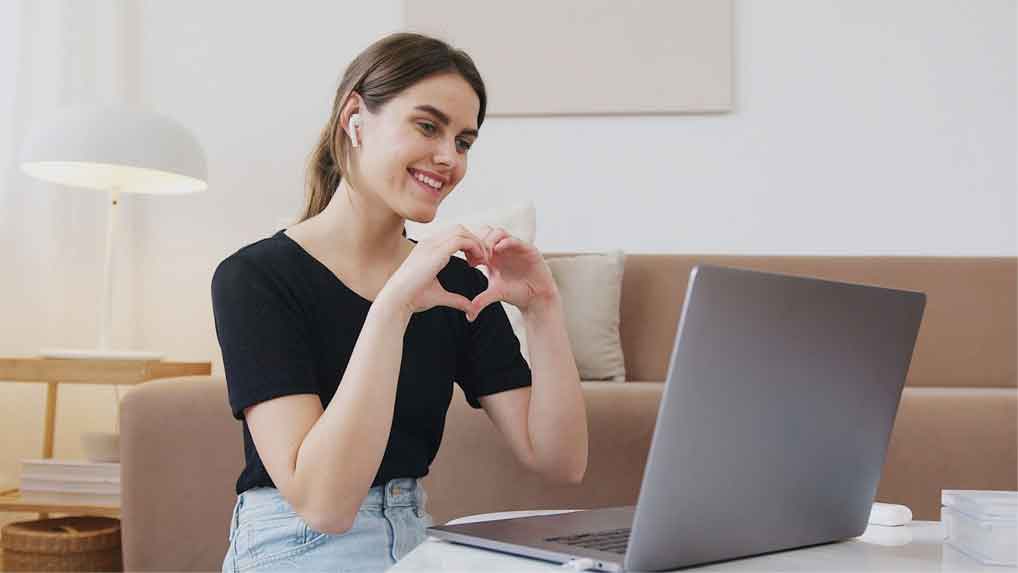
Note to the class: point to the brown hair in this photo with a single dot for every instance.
(378, 74)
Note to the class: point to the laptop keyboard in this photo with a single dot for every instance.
(612, 541)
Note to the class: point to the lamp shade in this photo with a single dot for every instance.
(129, 149)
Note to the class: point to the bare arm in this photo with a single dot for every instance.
(557, 416)
(323, 462)
(546, 424)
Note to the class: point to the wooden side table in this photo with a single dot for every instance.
(56, 371)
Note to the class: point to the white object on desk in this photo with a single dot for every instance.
(982, 524)
(890, 514)
(888, 536)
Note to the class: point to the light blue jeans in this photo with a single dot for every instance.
(266, 534)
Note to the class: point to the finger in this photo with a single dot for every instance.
(453, 231)
(470, 245)
(496, 235)
(506, 243)
(485, 232)
(493, 238)
(481, 302)
(457, 231)
(485, 251)
(465, 231)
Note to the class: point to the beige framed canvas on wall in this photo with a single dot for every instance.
(564, 57)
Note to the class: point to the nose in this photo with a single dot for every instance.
(446, 154)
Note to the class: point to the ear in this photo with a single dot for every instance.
(354, 104)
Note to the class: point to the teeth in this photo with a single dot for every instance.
(428, 180)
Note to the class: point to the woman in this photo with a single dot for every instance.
(341, 337)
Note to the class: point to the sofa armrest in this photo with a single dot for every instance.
(180, 454)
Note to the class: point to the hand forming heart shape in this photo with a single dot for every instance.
(517, 273)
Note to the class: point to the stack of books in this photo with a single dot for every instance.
(70, 482)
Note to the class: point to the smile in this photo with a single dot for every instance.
(426, 183)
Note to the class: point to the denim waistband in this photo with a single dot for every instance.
(398, 492)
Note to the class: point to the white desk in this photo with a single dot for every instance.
(915, 547)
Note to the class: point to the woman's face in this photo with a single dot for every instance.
(425, 132)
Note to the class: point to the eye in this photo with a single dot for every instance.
(429, 129)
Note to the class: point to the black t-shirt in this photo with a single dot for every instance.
(287, 325)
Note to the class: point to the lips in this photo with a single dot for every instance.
(443, 179)
(436, 193)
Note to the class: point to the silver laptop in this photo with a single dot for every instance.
(771, 434)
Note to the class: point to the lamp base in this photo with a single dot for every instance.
(100, 354)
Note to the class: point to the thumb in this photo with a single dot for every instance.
(480, 302)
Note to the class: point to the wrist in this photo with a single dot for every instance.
(548, 304)
(389, 307)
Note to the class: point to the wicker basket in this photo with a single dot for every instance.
(81, 543)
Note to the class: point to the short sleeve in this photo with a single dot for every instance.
(263, 338)
(489, 360)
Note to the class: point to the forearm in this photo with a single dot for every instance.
(557, 418)
(340, 456)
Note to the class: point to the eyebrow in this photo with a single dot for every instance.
(443, 117)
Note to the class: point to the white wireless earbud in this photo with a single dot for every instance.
(355, 122)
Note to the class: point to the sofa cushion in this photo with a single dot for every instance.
(591, 289)
(950, 438)
(476, 472)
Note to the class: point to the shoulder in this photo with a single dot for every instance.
(264, 260)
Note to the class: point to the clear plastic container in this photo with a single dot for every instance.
(982, 524)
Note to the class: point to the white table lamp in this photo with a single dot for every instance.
(115, 149)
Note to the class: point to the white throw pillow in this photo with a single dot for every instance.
(519, 220)
(591, 289)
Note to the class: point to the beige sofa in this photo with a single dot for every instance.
(956, 427)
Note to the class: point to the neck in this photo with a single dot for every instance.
(366, 230)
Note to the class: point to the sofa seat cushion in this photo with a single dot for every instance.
(950, 438)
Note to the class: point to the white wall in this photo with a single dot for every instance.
(863, 127)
